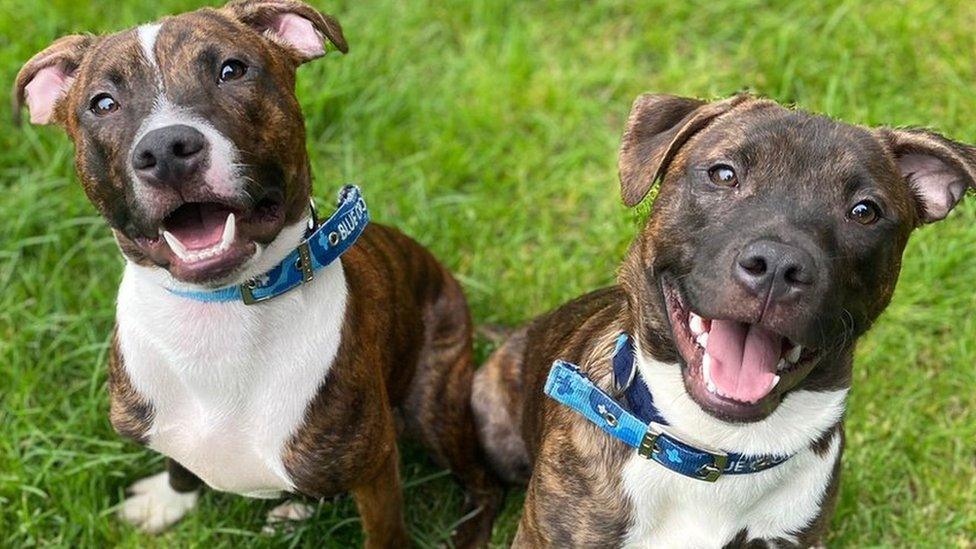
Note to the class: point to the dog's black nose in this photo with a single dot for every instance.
(167, 156)
(766, 267)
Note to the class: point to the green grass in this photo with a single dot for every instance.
(488, 130)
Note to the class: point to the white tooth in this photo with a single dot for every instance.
(175, 245)
(695, 324)
(794, 354)
(775, 383)
(707, 373)
(702, 339)
(230, 230)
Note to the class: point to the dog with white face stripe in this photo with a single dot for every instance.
(188, 133)
(189, 140)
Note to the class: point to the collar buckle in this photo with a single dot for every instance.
(657, 445)
(247, 293)
(304, 262)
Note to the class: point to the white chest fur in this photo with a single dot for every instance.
(230, 383)
(673, 511)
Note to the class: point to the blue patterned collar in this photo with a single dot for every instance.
(642, 426)
(322, 246)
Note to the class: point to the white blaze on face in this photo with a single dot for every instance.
(222, 175)
(147, 40)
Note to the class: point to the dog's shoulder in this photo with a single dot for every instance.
(579, 331)
(583, 332)
(573, 460)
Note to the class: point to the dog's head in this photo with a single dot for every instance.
(188, 137)
(775, 239)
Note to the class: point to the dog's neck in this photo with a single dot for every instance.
(223, 332)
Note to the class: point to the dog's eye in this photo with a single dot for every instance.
(232, 69)
(103, 104)
(865, 212)
(724, 175)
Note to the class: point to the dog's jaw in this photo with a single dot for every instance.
(801, 417)
(263, 258)
(742, 392)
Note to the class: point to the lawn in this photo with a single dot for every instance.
(488, 130)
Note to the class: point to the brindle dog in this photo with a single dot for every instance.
(190, 141)
(775, 241)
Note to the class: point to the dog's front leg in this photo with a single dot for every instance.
(159, 501)
(380, 504)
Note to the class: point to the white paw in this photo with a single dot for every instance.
(153, 506)
(290, 511)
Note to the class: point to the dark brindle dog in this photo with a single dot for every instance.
(190, 142)
(774, 243)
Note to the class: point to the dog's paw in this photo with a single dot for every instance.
(288, 512)
(153, 506)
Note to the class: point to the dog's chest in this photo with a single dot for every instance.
(673, 511)
(229, 384)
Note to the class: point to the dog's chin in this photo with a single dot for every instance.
(210, 243)
(746, 370)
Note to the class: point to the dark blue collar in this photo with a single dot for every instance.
(322, 246)
(642, 425)
(629, 381)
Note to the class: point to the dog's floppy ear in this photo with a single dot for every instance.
(657, 127)
(295, 25)
(46, 78)
(938, 170)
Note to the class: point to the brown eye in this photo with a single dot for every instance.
(232, 69)
(103, 104)
(865, 212)
(723, 175)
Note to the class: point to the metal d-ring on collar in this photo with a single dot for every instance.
(313, 219)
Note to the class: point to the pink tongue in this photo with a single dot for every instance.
(198, 226)
(744, 359)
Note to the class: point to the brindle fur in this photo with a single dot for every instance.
(406, 341)
(131, 415)
(574, 496)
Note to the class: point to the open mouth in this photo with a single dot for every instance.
(199, 231)
(205, 242)
(734, 370)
